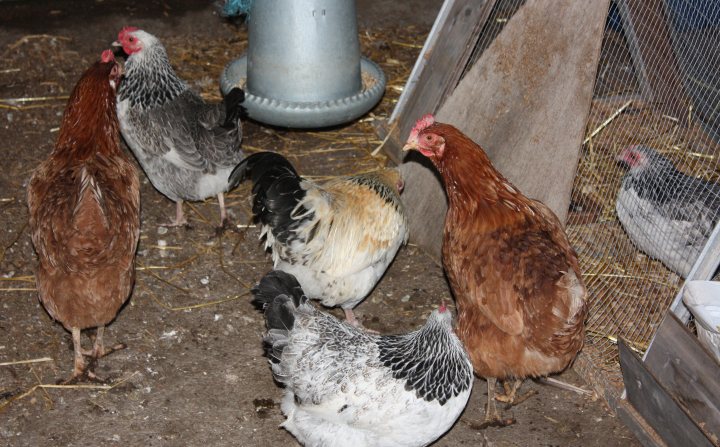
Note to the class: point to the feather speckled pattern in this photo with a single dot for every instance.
(337, 238)
(186, 146)
(346, 387)
(84, 204)
(667, 214)
(516, 279)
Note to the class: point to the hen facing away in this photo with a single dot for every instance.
(337, 238)
(520, 297)
(667, 214)
(186, 146)
(84, 203)
(344, 386)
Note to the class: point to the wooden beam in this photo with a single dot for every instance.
(438, 68)
(657, 405)
(688, 372)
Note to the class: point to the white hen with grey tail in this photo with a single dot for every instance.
(346, 387)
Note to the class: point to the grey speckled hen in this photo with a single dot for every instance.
(186, 147)
(669, 215)
(344, 386)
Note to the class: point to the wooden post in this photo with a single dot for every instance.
(438, 68)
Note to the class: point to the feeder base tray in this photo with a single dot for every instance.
(316, 114)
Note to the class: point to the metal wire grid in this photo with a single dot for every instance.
(629, 292)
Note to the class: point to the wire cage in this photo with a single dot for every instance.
(657, 85)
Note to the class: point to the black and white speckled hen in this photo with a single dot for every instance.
(186, 146)
(667, 214)
(344, 386)
(337, 238)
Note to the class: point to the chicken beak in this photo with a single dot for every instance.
(410, 145)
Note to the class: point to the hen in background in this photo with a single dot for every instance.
(84, 204)
(346, 387)
(186, 146)
(337, 238)
(520, 297)
(667, 214)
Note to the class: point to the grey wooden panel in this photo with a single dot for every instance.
(526, 102)
(688, 371)
(653, 402)
(647, 436)
(442, 62)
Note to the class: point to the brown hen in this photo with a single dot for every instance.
(520, 297)
(84, 204)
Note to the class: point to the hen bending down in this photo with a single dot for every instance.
(346, 387)
(521, 300)
(337, 238)
(186, 146)
(84, 204)
(667, 214)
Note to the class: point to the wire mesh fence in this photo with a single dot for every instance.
(644, 197)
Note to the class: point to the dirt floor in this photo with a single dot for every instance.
(193, 373)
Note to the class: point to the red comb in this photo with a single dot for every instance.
(107, 56)
(125, 30)
(422, 124)
(442, 308)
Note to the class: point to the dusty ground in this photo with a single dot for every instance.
(193, 373)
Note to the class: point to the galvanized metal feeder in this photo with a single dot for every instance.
(303, 68)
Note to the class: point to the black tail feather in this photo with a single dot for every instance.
(278, 294)
(233, 107)
(276, 190)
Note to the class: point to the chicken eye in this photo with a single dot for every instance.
(131, 39)
(428, 137)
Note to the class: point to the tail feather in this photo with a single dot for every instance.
(233, 107)
(279, 294)
(276, 190)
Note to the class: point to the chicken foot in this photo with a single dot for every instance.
(511, 388)
(81, 371)
(224, 221)
(492, 416)
(180, 219)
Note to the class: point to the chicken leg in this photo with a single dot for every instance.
(99, 347)
(511, 388)
(492, 416)
(81, 370)
(180, 219)
(79, 367)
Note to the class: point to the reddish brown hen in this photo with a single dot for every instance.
(520, 297)
(84, 204)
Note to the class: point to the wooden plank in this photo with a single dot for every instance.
(689, 372)
(438, 68)
(656, 405)
(647, 436)
(647, 31)
(526, 101)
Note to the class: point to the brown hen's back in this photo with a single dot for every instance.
(84, 208)
(521, 300)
